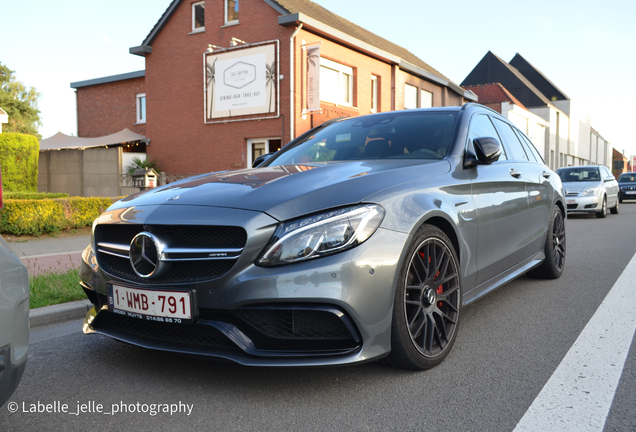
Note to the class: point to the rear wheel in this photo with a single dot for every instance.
(427, 302)
(614, 210)
(554, 262)
(603, 212)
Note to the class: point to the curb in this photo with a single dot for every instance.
(59, 313)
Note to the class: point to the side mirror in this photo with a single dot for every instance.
(261, 159)
(487, 151)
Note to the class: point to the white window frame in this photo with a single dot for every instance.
(345, 74)
(426, 95)
(374, 94)
(194, 23)
(252, 141)
(141, 119)
(406, 86)
(225, 19)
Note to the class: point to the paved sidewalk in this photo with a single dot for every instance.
(53, 255)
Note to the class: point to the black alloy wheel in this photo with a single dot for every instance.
(555, 248)
(428, 302)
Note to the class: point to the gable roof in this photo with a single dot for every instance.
(493, 93)
(329, 18)
(536, 77)
(294, 11)
(492, 69)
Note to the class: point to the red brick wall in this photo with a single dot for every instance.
(105, 109)
(182, 142)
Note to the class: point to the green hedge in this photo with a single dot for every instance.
(34, 195)
(19, 162)
(36, 217)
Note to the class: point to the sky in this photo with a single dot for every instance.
(586, 48)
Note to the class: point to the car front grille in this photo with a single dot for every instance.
(197, 253)
(571, 194)
(158, 332)
(303, 330)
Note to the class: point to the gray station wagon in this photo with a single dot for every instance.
(360, 240)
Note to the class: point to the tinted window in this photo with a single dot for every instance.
(579, 174)
(481, 127)
(627, 178)
(511, 141)
(529, 147)
(404, 135)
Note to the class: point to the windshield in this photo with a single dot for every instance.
(627, 178)
(403, 135)
(581, 174)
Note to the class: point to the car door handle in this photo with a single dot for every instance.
(515, 173)
(546, 174)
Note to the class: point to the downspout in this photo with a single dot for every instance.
(291, 81)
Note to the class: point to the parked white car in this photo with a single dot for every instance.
(590, 189)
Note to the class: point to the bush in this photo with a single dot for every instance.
(37, 217)
(19, 162)
(34, 195)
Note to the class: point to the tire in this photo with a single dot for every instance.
(603, 213)
(555, 247)
(614, 210)
(427, 303)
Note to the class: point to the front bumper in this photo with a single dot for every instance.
(627, 194)
(329, 311)
(592, 204)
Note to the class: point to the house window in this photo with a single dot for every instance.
(374, 93)
(336, 82)
(198, 16)
(141, 108)
(410, 96)
(231, 11)
(426, 99)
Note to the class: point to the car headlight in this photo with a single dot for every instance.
(591, 192)
(322, 234)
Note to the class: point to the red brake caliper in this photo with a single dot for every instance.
(440, 289)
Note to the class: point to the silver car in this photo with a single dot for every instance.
(590, 189)
(14, 318)
(362, 239)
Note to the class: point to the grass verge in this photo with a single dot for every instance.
(51, 288)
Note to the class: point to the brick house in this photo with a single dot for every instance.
(224, 85)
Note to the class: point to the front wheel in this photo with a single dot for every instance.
(603, 212)
(614, 210)
(554, 249)
(427, 302)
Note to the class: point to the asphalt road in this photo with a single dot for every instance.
(509, 346)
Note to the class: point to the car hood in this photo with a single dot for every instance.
(579, 186)
(289, 191)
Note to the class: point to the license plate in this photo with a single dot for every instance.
(630, 192)
(570, 201)
(164, 306)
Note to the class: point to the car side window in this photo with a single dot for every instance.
(480, 127)
(511, 141)
(529, 146)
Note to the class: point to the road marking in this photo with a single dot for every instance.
(579, 395)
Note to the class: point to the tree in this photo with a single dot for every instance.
(20, 103)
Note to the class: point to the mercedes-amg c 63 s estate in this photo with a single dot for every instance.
(362, 239)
